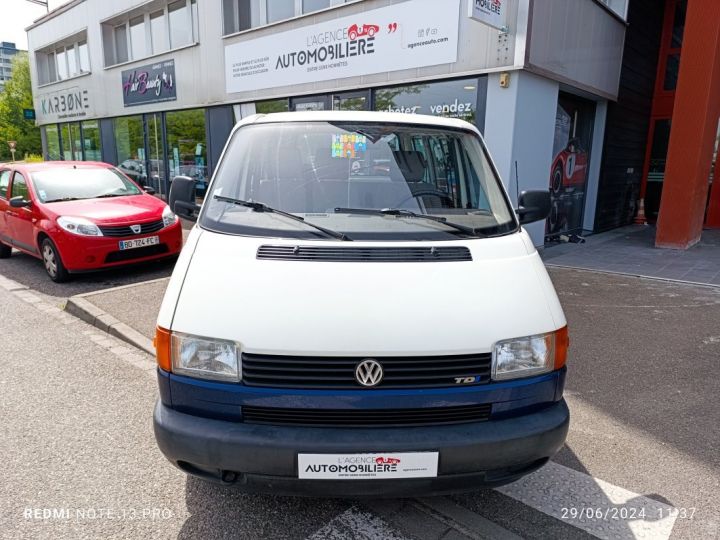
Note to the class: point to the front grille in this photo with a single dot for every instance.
(364, 254)
(137, 253)
(367, 417)
(339, 372)
(125, 230)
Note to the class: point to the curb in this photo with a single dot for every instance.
(635, 275)
(85, 310)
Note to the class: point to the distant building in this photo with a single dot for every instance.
(7, 51)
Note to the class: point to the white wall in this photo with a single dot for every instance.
(519, 126)
(200, 69)
(577, 42)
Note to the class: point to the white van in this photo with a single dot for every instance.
(358, 311)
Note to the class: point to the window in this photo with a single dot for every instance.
(142, 35)
(62, 70)
(239, 15)
(179, 22)
(84, 57)
(158, 32)
(137, 38)
(121, 45)
(19, 187)
(672, 70)
(72, 61)
(277, 10)
(4, 182)
(272, 106)
(195, 21)
(455, 99)
(315, 5)
(618, 6)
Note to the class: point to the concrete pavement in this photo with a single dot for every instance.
(642, 390)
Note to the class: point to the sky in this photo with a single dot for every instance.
(18, 15)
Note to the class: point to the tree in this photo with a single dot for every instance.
(13, 126)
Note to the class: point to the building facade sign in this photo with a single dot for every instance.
(490, 12)
(385, 39)
(67, 104)
(149, 84)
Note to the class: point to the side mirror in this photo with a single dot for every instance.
(149, 190)
(19, 202)
(533, 206)
(182, 197)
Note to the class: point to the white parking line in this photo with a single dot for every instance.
(354, 524)
(593, 505)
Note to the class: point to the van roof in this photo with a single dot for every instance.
(359, 116)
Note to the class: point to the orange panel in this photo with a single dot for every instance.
(694, 127)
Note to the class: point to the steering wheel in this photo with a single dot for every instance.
(428, 192)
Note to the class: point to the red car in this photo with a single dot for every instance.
(569, 169)
(356, 31)
(82, 216)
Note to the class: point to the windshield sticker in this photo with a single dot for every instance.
(42, 195)
(348, 145)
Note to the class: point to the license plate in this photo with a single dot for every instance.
(139, 242)
(386, 465)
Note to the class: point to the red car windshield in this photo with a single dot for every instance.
(71, 184)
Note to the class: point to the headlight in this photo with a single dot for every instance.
(530, 355)
(79, 226)
(204, 358)
(168, 217)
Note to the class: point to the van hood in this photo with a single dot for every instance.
(360, 308)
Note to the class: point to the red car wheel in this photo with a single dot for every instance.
(557, 177)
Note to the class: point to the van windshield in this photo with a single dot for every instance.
(332, 173)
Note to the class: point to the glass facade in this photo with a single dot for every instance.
(53, 142)
(272, 106)
(130, 146)
(156, 153)
(453, 99)
(91, 141)
(186, 146)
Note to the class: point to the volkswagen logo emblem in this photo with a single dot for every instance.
(136, 228)
(369, 372)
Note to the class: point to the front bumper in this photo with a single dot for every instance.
(261, 458)
(85, 254)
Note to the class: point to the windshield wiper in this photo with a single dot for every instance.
(106, 195)
(261, 207)
(409, 213)
(65, 199)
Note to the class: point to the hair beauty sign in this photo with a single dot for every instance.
(402, 36)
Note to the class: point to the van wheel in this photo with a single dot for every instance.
(5, 251)
(53, 263)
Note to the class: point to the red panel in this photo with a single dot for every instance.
(694, 127)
